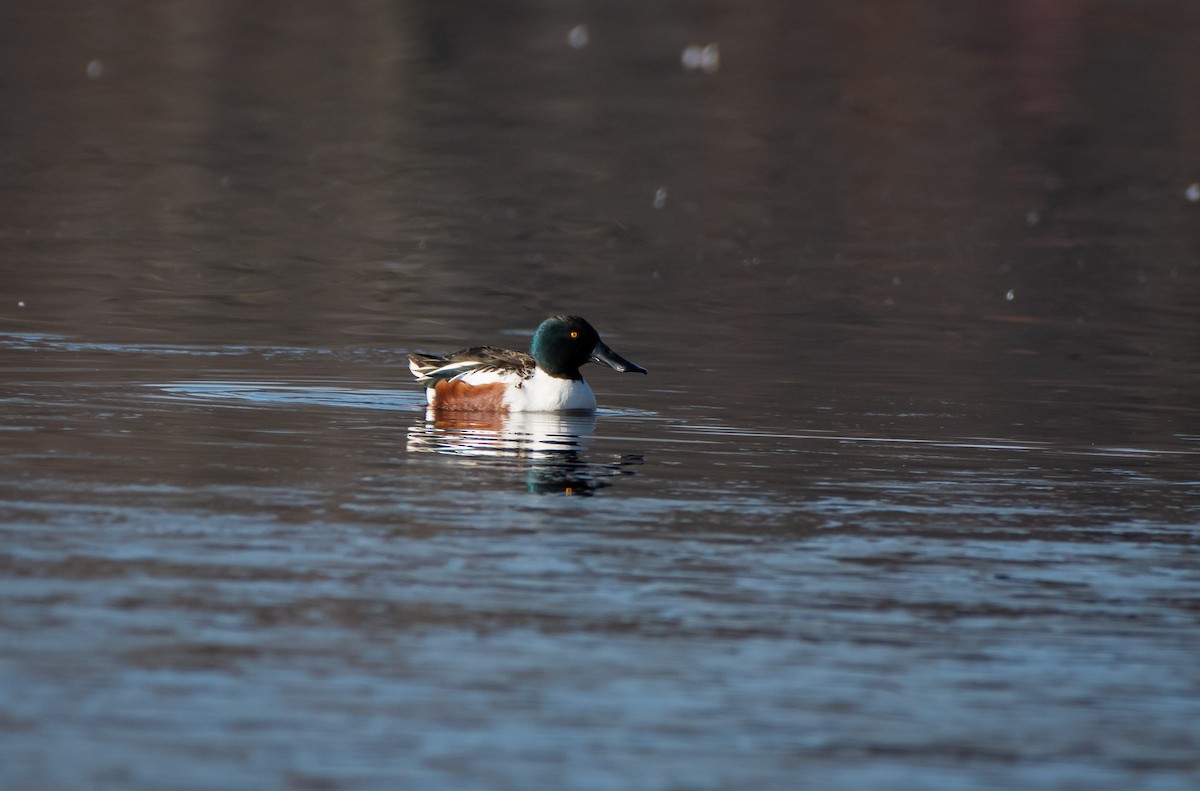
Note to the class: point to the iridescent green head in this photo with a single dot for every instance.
(564, 343)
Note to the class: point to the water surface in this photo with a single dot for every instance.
(910, 498)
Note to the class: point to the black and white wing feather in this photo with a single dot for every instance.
(471, 364)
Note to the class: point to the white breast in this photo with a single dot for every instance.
(545, 393)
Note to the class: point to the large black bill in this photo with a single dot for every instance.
(606, 356)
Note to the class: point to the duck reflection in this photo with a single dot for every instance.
(548, 445)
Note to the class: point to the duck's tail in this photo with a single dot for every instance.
(422, 365)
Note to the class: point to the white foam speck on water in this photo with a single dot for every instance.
(660, 197)
(578, 37)
(705, 58)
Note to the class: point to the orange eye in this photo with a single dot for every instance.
(574, 333)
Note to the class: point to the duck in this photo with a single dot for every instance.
(546, 379)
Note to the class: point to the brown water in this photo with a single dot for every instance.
(910, 498)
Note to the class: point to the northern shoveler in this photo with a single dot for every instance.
(487, 379)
